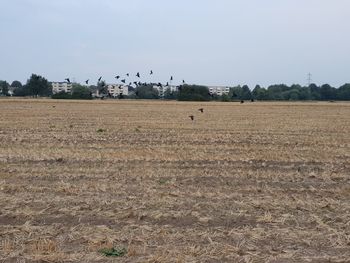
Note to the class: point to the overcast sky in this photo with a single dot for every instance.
(210, 42)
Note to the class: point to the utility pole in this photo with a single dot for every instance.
(309, 79)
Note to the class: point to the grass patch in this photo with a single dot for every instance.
(101, 130)
(113, 252)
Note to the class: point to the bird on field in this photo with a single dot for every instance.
(67, 79)
(151, 73)
(138, 75)
(242, 101)
(252, 100)
(99, 79)
(87, 82)
(201, 110)
(191, 117)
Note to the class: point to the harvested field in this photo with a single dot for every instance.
(258, 182)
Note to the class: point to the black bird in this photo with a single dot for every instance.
(242, 101)
(87, 82)
(201, 110)
(183, 82)
(99, 79)
(123, 80)
(130, 83)
(139, 83)
(160, 85)
(167, 84)
(171, 78)
(138, 74)
(67, 79)
(117, 77)
(127, 74)
(135, 82)
(252, 100)
(191, 117)
(151, 73)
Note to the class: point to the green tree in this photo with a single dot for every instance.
(343, 93)
(193, 93)
(146, 92)
(225, 98)
(4, 88)
(315, 92)
(102, 88)
(235, 93)
(259, 93)
(16, 84)
(305, 93)
(327, 92)
(170, 95)
(246, 93)
(80, 92)
(38, 86)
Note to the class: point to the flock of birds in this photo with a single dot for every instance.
(131, 83)
(139, 83)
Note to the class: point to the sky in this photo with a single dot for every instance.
(208, 42)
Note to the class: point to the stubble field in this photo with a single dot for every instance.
(258, 182)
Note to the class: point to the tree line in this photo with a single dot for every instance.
(38, 86)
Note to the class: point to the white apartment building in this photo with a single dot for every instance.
(115, 90)
(58, 87)
(218, 90)
(161, 90)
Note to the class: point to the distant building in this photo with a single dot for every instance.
(218, 90)
(163, 89)
(58, 87)
(115, 90)
(11, 91)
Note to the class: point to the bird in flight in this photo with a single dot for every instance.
(87, 82)
(117, 77)
(99, 79)
(138, 74)
(201, 110)
(191, 117)
(183, 82)
(123, 80)
(127, 74)
(171, 78)
(151, 73)
(67, 79)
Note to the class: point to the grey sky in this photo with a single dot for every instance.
(212, 42)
